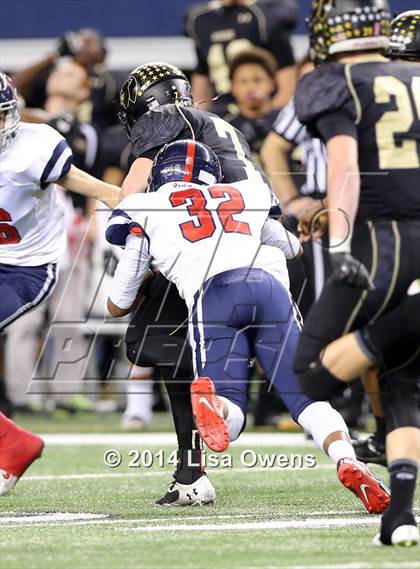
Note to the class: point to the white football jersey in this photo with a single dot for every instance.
(196, 232)
(32, 230)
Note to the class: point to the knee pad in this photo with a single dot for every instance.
(401, 402)
(318, 383)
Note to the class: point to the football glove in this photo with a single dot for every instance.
(346, 269)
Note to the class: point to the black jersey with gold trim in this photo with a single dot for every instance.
(378, 102)
(167, 123)
(220, 32)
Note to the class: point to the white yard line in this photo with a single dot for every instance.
(63, 519)
(48, 518)
(381, 565)
(169, 439)
(165, 472)
(319, 523)
(27, 518)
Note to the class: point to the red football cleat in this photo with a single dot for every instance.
(18, 450)
(208, 414)
(356, 476)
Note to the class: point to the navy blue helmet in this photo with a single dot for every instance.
(185, 161)
(8, 110)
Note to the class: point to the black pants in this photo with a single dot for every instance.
(390, 251)
(157, 336)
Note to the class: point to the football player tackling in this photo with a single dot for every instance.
(34, 157)
(228, 260)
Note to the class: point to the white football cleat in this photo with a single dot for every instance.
(404, 536)
(7, 481)
(199, 493)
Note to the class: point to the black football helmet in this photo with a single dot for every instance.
(9, 110)
(337, 26)
(149, 86)
(405, 36)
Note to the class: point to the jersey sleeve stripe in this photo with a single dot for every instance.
(119, 227)
(56, 164)
(288, 125)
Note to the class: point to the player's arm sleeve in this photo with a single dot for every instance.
(121, 225)
(54, 157)
(325, 92)
(276, 235)
(153, 130)
(288, 126)
(336, 124)
(131, 270)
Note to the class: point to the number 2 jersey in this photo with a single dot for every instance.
(193, 232)
(31, 218)
(376, 101)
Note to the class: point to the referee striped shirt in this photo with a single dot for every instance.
(313, 151)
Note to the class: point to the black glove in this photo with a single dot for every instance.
(70, 44)
(347, 269)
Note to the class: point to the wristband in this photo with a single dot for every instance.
(340, 245)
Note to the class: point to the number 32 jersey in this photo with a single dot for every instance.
(194, 232)
(31, 217)
(380, 99)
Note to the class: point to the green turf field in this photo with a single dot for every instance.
(72, 511)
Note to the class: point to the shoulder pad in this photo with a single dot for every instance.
(323, 91)
(156, 128)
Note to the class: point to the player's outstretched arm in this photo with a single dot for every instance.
(82, 183)
(136, 179)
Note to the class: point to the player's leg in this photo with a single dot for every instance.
(220, 346)
(219, 393)
(22, 339)
(139, 393)
(275, 345)
(166, 348)
(21, 290)
(24, 288)
(353, 354)
(401, 400)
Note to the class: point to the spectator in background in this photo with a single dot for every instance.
(252, 75)
(221, 29)
(87, 48)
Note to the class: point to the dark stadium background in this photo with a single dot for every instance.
(51, 18)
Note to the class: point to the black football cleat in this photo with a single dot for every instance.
(402, 531)
(199, 493)
(371, 450)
